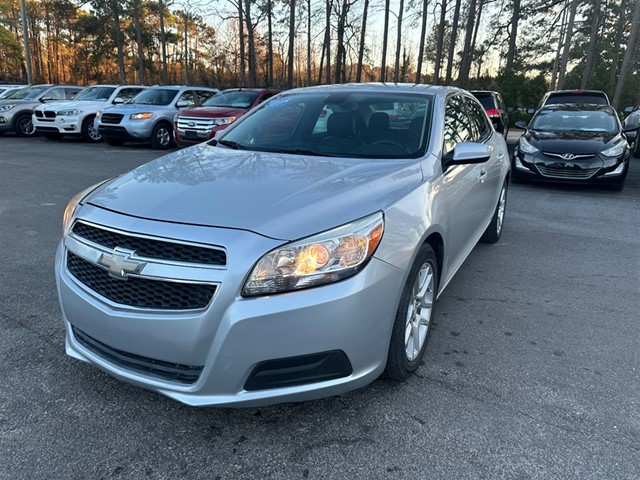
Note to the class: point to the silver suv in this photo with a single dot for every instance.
(148, 117)
(76, 117)
(16, 111)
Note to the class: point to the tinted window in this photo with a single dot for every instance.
(457, 126)
(56, 94)
(28, 93)
(71, 93)
(187, 96)
(127, 94)
(481, 128)
(598, 99)
(486, 99)
(95, 94)
(237, 99)
(204, 95)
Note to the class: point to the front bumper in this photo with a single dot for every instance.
(130, 130)
(231, 337)
(187, 137)
(65, 125)
(5, 123)
(595, 170)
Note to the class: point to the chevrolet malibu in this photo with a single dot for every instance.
(292, 258)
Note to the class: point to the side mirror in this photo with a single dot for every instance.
(46, 99)
(118, 100)
(182, 104)
(521, 125)
(467, 153)
(630, 128)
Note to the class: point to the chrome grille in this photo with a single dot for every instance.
(49, 114)
(195, 124)
(569, 156)
(111, 118)
(567, 173)
(151, 248)
(174, 372)
(140, 292)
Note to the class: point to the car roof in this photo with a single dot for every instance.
(379, 87)
(250, 89)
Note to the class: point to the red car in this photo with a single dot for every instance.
(195, 125)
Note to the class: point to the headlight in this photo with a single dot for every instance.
(69, 113)
(324, 258)
(4, 108)
(98, 115)
(141, 116)
(526, 147)
(75, 202)
(223, 121)
(616, 150)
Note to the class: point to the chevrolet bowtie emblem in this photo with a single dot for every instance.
(120, 264)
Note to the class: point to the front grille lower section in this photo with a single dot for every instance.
(173, 372)
(140, 292)
(151, 248)
(567, 173)
(111, 118)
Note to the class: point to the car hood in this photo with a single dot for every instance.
(280, 196)
(72, 105)
(570, 142)
(137, 107)
(213, 112)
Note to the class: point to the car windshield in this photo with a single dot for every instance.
(95, 94)
(341, 124)
(236, 99)
(155, 96)
(28, 93)
(548, 120)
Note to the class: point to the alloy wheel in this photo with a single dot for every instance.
(419, 312)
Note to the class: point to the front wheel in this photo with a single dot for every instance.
(24, 126)
(89, 132)
(494, 230)
(412, 324)
(161, 137)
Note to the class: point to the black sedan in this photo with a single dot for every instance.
(576, 143)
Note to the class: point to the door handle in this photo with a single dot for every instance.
(483, 175)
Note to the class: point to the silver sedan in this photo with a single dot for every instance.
(298, 256)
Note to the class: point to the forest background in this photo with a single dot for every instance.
(521, 48)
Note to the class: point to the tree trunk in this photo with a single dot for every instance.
(341, 52)
(588, 67)
(385, 38)
(618, 40)
(186, 49)
(327, 39)
(243, 66)
(269, 43)
(567, 45)
(467, 51)
(440, 43)
(308, 42)
(136, 20)
(362, 39)
(396, 72)
(423, 34)
(253, 78)
(292, 33)
(628, 55)
(452, 45)
(163, 43)
(515, 17)
(556, 62)
(119, 41)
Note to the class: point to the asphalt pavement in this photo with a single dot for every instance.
(532, 370)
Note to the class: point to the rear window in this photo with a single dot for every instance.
(486, 99)
(577, 97)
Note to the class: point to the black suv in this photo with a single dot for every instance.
(575, 96)
(495, 108)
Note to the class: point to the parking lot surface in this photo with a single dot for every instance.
(532, 369)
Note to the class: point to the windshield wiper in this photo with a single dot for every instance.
(232, 144)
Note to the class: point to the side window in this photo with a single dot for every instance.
(479, 122)
(127, 94)
(457, 127)
(204, 95)
(187, 96)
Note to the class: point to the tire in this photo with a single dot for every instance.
(494, 230)
(90, 134)
(115, 142)
(412, 325)
(24, 126)
(162, 136)
(53, 136)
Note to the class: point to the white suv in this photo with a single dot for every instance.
(76, 117)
